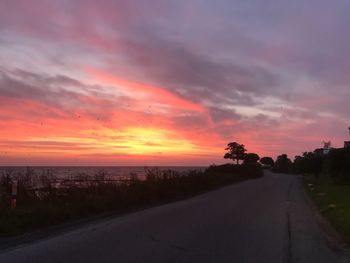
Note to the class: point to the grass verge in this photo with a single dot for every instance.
(333, 201)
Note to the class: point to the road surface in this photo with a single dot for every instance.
(263, 220)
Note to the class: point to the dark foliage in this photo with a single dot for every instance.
(338, 164)
(283, 164)
(335, 163)
(267, 161)
(235, 151)
(251, 158)
(309, 162)
(53, 205)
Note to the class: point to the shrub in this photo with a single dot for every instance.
(54, 205)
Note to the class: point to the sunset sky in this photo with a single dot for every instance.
(154, 82)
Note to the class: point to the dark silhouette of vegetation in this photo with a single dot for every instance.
(337, 162)
(235, 151)
(309, 162)
(267, 161)
(283, 164)
(48, 205)
(251, 158)
(331, 162)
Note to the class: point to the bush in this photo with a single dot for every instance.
(338, 164)
(335, 164)
(56, 205)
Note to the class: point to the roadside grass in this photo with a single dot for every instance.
(333, 201)
(64, 205)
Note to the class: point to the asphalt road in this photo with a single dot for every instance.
(263, 220)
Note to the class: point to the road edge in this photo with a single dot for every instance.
(334, 239)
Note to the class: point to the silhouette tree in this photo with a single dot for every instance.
(298, 164)
(251, 158)
(283, 164)
(266, 160)
(235, 151)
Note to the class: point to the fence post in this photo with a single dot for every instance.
(14, 194)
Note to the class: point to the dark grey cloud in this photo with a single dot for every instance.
(218, 114)
(190, 121)
(198, 77)
(142, 34)
(63, 95)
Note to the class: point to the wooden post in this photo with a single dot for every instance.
(14, 194)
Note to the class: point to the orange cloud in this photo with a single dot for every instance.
(37, 130)
(151, 92)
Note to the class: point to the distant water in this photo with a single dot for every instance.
(73, 171)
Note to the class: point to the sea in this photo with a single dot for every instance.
(112, 172)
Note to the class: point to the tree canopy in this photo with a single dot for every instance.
(266, 160)
(235, 151)
(283, 164)
(251, 158)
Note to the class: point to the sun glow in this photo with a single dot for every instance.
(138, 141)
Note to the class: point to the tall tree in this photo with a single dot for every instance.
(235, 151)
